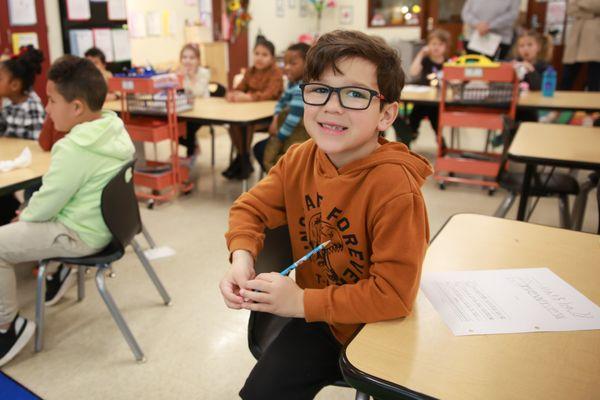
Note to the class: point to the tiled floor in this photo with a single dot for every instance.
(196, 349)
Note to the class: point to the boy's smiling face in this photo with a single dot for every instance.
(347, 135)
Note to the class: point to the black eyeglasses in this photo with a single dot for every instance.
(351, 97)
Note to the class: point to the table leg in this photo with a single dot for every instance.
(521, 214)
(245, 129)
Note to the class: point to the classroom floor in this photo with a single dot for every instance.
(197, 348)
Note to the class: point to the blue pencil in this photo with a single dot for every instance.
(305, 258)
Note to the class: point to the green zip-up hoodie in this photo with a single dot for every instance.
(82, 164)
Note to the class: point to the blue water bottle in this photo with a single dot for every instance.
(549, 82)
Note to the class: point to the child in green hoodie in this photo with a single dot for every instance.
(63, 219)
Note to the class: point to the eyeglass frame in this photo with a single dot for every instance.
(337, 90)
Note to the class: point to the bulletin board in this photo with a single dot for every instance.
(99, 30)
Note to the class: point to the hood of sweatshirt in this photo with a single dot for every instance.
(103, 136)
(387, 153)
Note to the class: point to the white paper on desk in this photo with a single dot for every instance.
(508, 301)
(23, 160)
(103, 41)
(486, 44)
(416, 88)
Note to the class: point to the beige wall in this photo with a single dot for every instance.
(160, 50)
(54, 32)
(285, 31)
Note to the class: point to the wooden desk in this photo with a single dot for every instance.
(22, 178)
(562, 100)
(418, 356)
(555, 145)
(217, 110)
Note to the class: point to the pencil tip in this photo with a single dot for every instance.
(326, 243)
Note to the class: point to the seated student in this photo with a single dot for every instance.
(424, 68)
(195, 81)
(96, 56)
(347, 185)
(63, 218)
(287, 127)
(261, 82)
(21, 112)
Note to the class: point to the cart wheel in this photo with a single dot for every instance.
(491, 191)
(150, 204)
(442, 185)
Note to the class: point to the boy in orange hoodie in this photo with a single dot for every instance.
(347, 185)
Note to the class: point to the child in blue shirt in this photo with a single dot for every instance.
(287, 127)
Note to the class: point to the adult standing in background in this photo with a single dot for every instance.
(582, 44)
(484, 16)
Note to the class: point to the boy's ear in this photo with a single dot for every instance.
(387, 116)
(78, 107)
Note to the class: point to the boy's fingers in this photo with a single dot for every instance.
(267, 276)
(257, 284)
(259, 297)
(229, 295)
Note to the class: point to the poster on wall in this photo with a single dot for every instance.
(80, 40)
(21, 12)
(136, 21)
(120, 40)
(280, 8)
(78, 10)
(303, 8)
(116, 10)
(103, 40)
(23, 39)
(346, 15)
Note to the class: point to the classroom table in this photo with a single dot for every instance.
(562, 100)
(554, 145)
(217, 110)
(418, 357)
(22, 178)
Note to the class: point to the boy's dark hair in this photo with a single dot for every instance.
(78, 78)
(262, 41)
(340, 44)
(96, 52)
(301, 48)
(25, 66)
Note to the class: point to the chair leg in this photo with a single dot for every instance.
(580, 204)
(80, 283)
(40, 306)
(116, 314)
(361, 396)
(150, 271)
(212, 145)
(148, 237)
(506, 204)
(563, 208)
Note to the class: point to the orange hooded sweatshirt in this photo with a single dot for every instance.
(373, 212)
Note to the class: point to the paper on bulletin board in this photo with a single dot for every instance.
(122, 49)
(24, 39)
(153, 23)
(78, 10)
(117, 11)
(508, 301)
(136, 22)
(21, 12)
(103, 41)
(169, 23)
(80, 40)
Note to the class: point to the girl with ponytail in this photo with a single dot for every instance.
(22, 113)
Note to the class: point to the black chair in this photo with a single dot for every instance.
(122, 217)
(543, 185)
(263, 328)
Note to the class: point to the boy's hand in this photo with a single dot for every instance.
(273, 126)
(483, 27)
(241, 270)
(275, 294)
(424, 51)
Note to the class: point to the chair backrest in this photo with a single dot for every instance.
(276, 254)
(216, 89)
(120, 207)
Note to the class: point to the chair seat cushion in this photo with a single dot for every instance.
(111, 253)
(558, 184)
